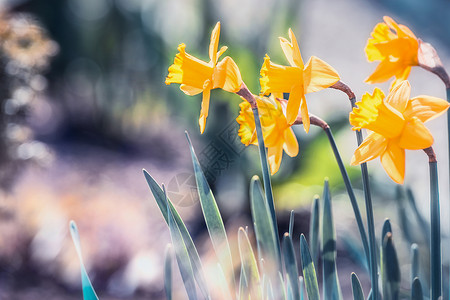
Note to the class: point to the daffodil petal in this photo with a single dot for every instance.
(295, 97)
(204, 110)
(227, 75)
(214, 44)
(372, 146)
(221, 51)
(318, 75)
(190, 90)
(291, 50)
(385, 70)
(426, 108)
(393, 161)
(274, 155)
(381, 33)
(399, 96)
(277, 78)
(290, 145)
(415, 135)
(305, 114)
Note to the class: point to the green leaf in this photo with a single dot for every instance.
(291, 223)
(249, 265)
(182, 255)
(415, 265)
(309, 272)
(314, 230)
(390, 269)
(331, 287)
(290, 265)
(416, 290)
(213, 219)
(265, 234)
(357, 289)
(386, 228)
(187, 239)
(244, 291)
(168, 271)
(88, 289)
(301, 284)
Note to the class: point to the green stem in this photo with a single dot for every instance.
(435, 242)
(370, 219)
(350, 192)
(246, 94)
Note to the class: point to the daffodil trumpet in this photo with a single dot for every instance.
(316, 121)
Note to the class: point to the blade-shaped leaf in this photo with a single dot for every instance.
(291, 223)
(331, 287)
(386, 228)
(309, 272)
(244, 292)
(182, 255)
(168, 272)
(88, 290)
(158, 194)
(314, 230)
(265, 235)
(414, 261)
(358, 293)
(249, 265)
(213, 219)
(391, 269)
(416, 290)
(290, 265)
(301, 284)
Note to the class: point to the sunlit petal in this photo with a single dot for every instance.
(372, 147)
(318, 75)
(227, 75)
(385, 70)
(277, 78)
(293, 105)
(398, 97)
(291, 50)
(214, 43)
(415, 136)
(393, 161)
(290, 145)
(426, 108)
(204, 110)
(190, 90)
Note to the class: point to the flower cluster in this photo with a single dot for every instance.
(396, 121)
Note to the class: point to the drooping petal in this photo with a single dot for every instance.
(190, 90)
(318, 75)
(400, 77)
(305, 114)
(291, 50)
(246, 131)
(227, 75)
(426, 108)
(295, 97)
(290, 145)
(274, 155)
(385, 70)
(415, 136)
(372, 147)
(204, 110)
(398, 97)
(188, 70)
(214, 44)
(393, 161)
(277, 78)
(394, 26)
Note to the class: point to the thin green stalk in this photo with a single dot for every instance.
(370, 220)
(350, 192)
(435, 237)
(246, 94)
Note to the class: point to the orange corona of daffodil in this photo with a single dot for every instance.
(197, 76)
(278, 134)
(296, 79)
(397, 123)
(396, 47)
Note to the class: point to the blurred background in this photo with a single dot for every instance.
(84, 108)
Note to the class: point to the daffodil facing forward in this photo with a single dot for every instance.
(396, 46)
(296, 79)
(397, 123)
(197, 76)
(278, 134)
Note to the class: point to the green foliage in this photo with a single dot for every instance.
(358, 293)
(309, 271)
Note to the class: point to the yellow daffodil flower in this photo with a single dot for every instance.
(277, 132)
(397, 123)
(296, 79)
(396, 47)
(197, 76)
